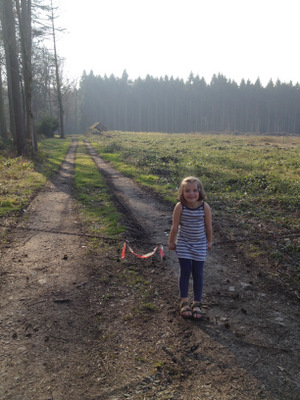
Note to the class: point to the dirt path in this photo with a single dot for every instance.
(72, 325)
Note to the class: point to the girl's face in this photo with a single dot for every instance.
(191, 193)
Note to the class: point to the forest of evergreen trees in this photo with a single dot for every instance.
(174, 105)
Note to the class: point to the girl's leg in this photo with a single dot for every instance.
(184, 277)
(197, 272)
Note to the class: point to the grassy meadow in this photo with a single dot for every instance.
(252, 184)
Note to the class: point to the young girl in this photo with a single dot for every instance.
(193, 222)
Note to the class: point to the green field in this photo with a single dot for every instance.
(252, 184)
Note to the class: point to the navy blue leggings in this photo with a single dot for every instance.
(186, 268)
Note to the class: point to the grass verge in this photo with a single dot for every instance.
(98, 212)
(21, 177)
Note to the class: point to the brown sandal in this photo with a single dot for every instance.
(185, 308)
(197, 314)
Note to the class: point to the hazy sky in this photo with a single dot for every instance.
(238, 38)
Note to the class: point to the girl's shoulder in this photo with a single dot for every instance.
(205, 205)
(206, 208)
(178, 206)
(177, 212)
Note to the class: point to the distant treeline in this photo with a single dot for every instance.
(173, 105)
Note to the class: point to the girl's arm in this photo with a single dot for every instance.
(208, 225)
(175, 225)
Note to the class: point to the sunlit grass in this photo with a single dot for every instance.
(21, 177)
(232, 167)
(97, 208)
(51, 154)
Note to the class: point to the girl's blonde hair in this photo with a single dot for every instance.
(191, 179)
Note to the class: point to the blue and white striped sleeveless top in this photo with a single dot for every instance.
(191, 238)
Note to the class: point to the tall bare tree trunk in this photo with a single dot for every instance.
(58, 84)
(3, 126)
(24, 16)
(12, 66)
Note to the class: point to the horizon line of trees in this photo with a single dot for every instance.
(173, 105)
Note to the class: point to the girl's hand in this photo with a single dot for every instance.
(209, 245)
(172, 246)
